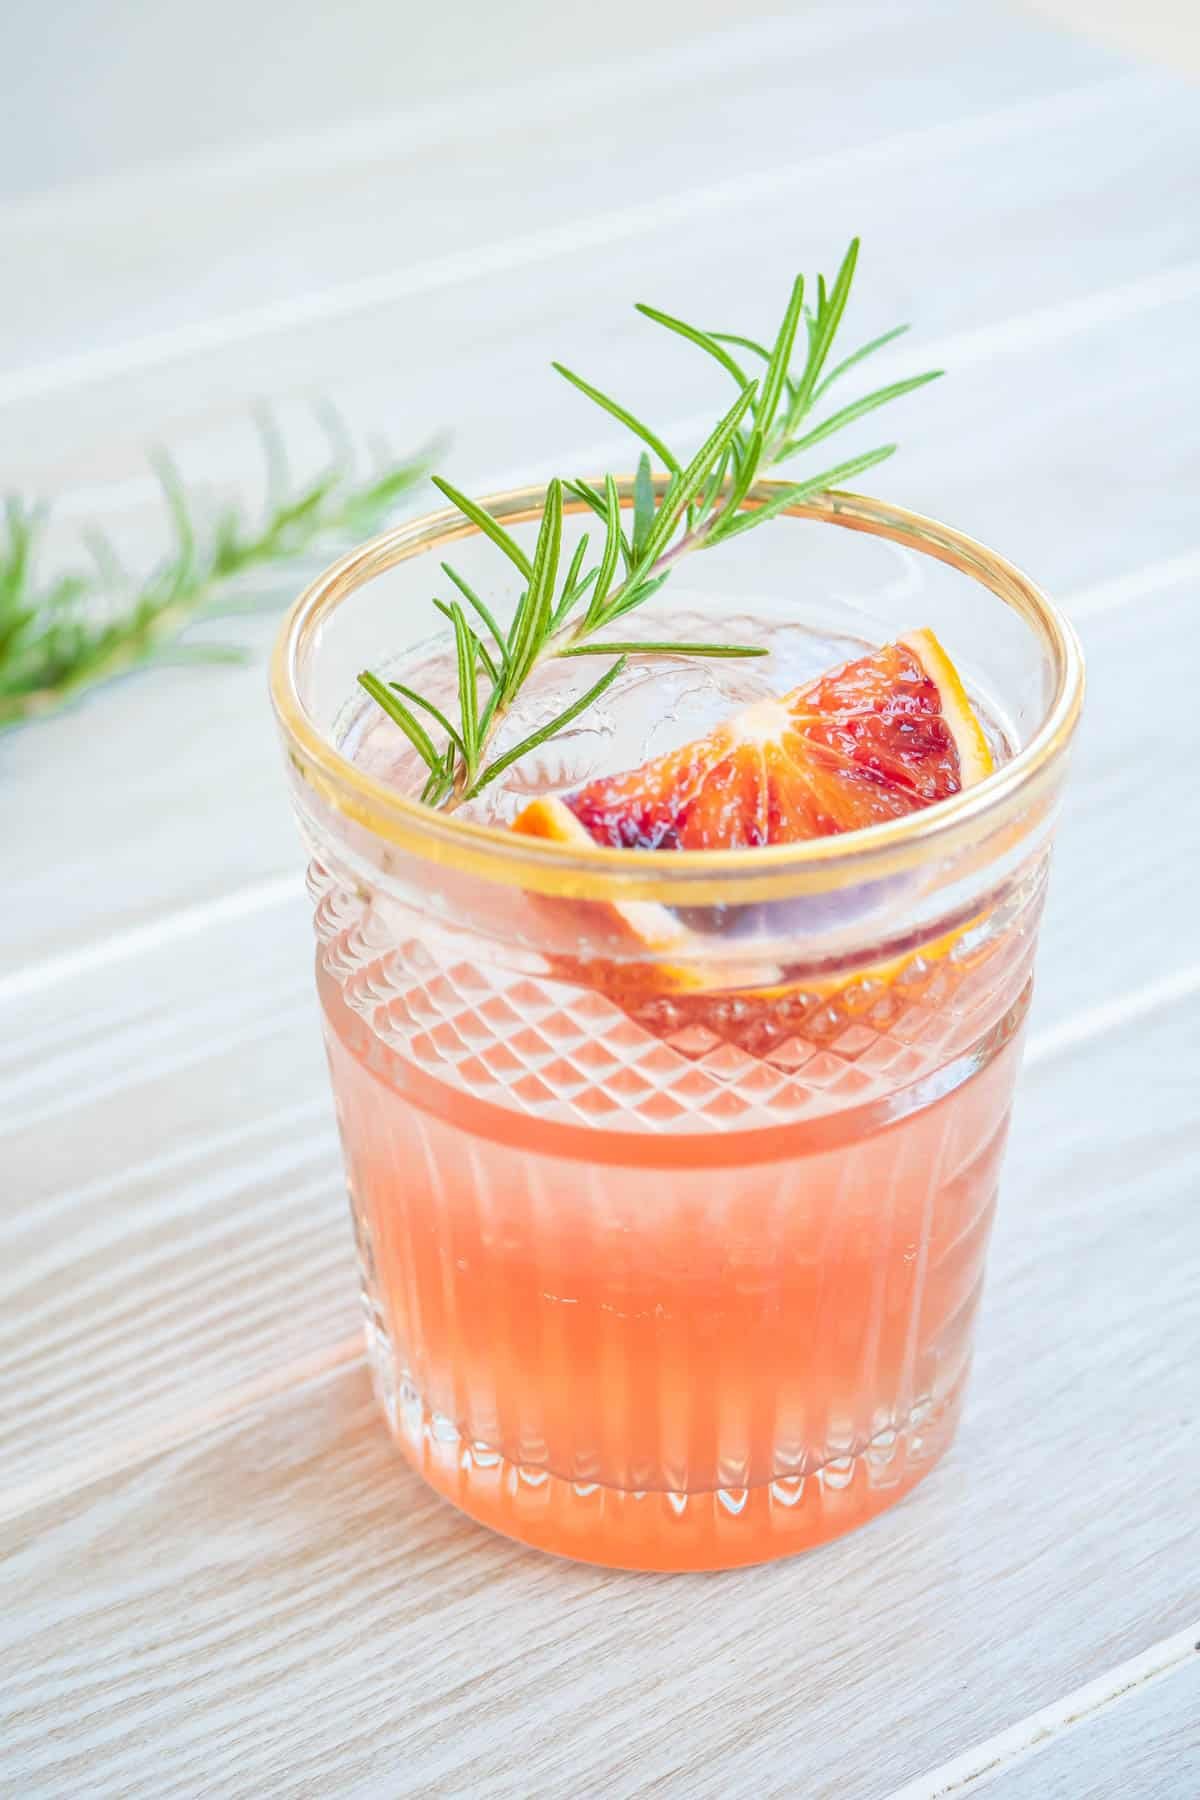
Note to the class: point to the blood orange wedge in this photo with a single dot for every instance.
(887, 734)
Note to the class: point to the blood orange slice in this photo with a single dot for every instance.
(888, 734)
(885, 735)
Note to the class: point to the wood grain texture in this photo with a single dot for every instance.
(259, 90)
(410, 357)
(171, 1145)
(1166, 31)
(1146, 1743)
(280, 1607)
(531, 181)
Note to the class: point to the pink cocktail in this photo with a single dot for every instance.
(672, 1273)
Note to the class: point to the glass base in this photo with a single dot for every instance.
(656, 1529)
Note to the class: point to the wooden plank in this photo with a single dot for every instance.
(168, 1159)
(555, 180)
(166, 1125)
(1137, 723)
(280, 1605)
(258, 89)
(1166, 30)
(1146, 1742)
(410, 356)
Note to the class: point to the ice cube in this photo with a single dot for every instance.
(656, 704)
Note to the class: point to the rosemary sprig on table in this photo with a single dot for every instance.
(87, 625)
(702, 505)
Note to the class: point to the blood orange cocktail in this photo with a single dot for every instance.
(669, 1260)
(679, 1333)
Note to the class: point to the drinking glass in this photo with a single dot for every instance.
(673, 1267)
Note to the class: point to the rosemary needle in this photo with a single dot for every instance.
(636, 648)
(58, 640)
(779, 385)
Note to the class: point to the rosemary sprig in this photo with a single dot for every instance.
(701, 503)
(88, 625)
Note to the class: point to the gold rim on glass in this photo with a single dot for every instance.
(678, 877)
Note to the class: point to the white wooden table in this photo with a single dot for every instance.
(219, 1579)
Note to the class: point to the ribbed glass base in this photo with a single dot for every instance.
(657, 1529)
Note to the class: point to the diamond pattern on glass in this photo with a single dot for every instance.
(670, 1062)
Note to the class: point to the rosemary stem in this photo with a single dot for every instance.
(705, 501)
(126, 654)
(556, 646)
